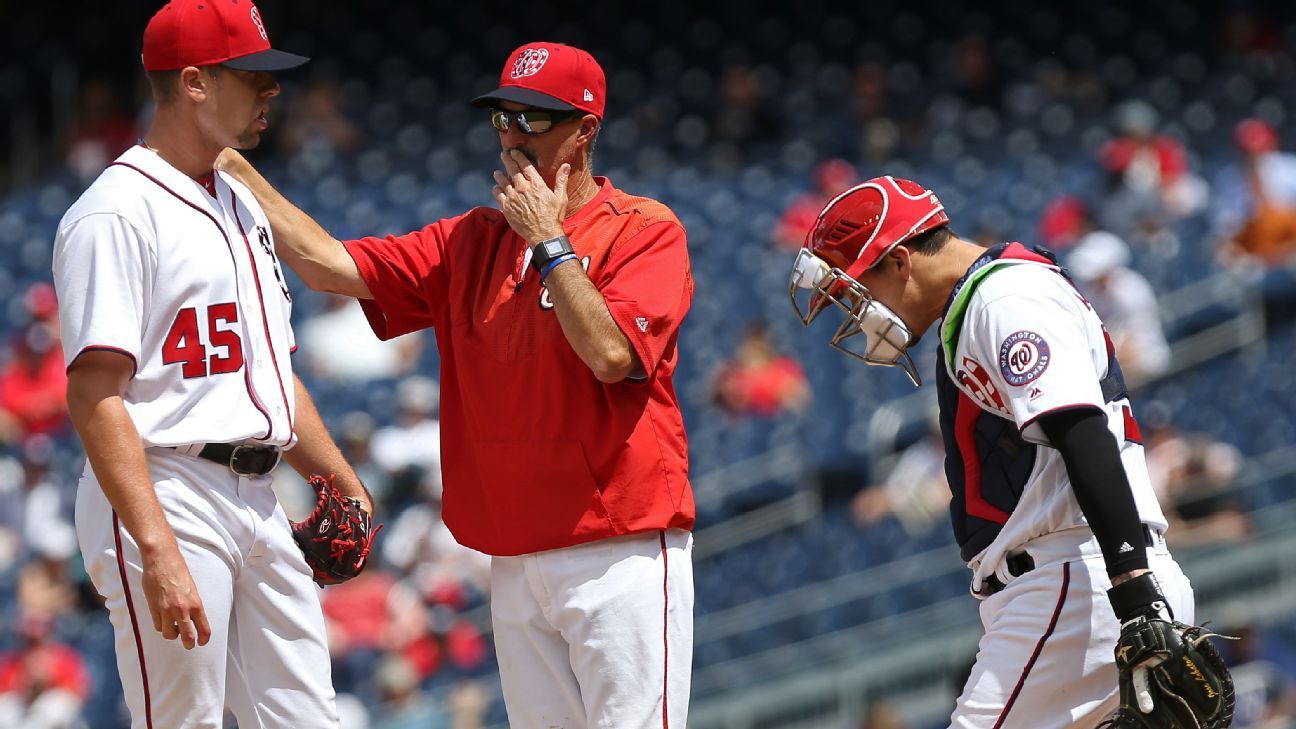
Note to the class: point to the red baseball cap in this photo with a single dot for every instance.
(550, 76)
(205, 32)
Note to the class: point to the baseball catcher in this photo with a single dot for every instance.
(337, 536)
(1171, 677)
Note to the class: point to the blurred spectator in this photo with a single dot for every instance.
(339, 345)
(759, 381)
(352, 713)
(1125, 301)
(879, 133)
(418, 545)
(43, 684)
(102, 131)
(1063, 221)
(1150, 183)
(915, 491)
(1191, 474)
(468, 704)
(1264, 695)
(38, 520)
(412, 446)
(831, 178)
(354, 439)
(883, 715)
(369, 616)
(1255, 200)
(972, 68)
(33, 385)
(744, 115)
(404, 705)
(315, 123)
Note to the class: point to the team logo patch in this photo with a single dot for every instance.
(1023, 357)
(256, 20)
(529, 62)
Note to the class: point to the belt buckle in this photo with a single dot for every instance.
(240, 449)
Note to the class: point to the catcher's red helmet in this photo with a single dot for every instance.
(858, 227)
(852, 234)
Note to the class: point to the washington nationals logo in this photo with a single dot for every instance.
(529, 62)
(256, 20)
(1023, 357)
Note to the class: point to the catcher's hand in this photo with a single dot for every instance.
(1171, 677)
(337, 536)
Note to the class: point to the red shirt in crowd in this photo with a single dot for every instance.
(538, 454)
(35, 394)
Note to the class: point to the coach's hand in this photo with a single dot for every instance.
(173, 599)
(232, 163)
(533, 211)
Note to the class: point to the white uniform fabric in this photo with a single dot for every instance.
(148, 263)
(1046, 659)
(267, 657)
(597, 636)
(1030, 345)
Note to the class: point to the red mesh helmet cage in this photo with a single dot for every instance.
(858, 227)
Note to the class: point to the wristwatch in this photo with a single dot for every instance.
(547, 251)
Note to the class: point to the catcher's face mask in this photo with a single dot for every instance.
(814, 285)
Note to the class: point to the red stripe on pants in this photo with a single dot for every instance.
(665, 632)
(1039, 647)
(130, 608)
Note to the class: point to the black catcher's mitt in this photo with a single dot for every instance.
(1171, 677)
(337, 536)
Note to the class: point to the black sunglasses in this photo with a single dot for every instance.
(530, 121)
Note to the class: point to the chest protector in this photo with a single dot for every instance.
(987, 462)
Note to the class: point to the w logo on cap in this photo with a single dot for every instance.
(256, 20)
(529, 62)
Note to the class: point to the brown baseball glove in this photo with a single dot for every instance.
(337, 536)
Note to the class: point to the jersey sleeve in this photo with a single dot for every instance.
(103, 267)
(648, 287)
(406, 275)
(1037, 350)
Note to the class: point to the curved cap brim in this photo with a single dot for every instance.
(267, 60)
(527, 97)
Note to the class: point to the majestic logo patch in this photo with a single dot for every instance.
(1023, 357)
(256, 20)
(529, 62)
(642, 323)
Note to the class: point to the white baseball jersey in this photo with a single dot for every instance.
(1029, 344)
(151, 264)
(1019, 342)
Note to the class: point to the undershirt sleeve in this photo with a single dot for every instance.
(1097, 476)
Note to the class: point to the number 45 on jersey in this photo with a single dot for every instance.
(184, 345)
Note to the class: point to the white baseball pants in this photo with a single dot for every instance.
(597, 636)
(268, 657)
(1046, 658)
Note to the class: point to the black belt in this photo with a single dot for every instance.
(244, 460)
(1020, 564)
